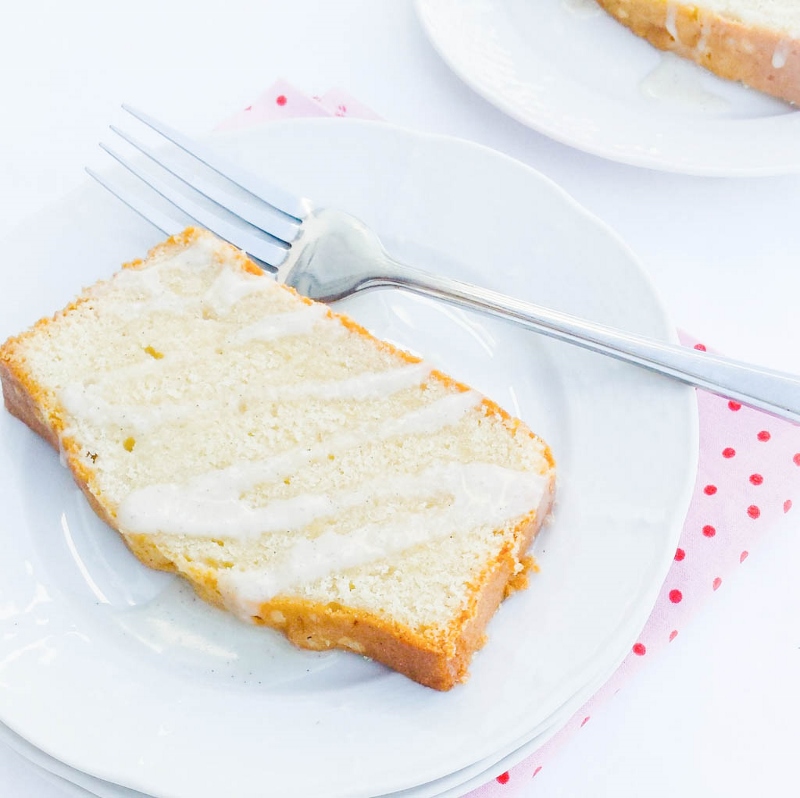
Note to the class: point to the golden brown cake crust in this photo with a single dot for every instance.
(436, 661)
(757, 56)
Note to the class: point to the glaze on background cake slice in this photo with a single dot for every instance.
(756, 42)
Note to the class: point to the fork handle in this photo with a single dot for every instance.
(775, 392)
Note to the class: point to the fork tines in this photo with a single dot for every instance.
(220, 195)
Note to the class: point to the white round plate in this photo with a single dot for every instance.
(570, 71)
(120, 672)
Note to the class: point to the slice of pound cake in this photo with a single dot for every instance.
(297, 471)
(756, 42)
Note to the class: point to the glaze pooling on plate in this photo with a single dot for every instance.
(143, 714)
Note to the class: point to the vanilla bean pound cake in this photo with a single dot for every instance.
(756, 42)
(297, 471)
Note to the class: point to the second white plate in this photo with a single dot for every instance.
(570, 71)
(119, 672)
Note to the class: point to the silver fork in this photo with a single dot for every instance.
(327, 255)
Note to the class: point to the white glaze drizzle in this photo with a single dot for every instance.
(582, 8)
(230, 287)
(482, 495)
(705, 31)
(781, 54)
(209, 505)
(280, 325)
(678, 81)
(86, 402)
(145, 281)
(671, 22)
(369, 385)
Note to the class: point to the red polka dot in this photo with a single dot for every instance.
(734, 405)
(679, 554)
(675, 596)
(796, 459)
(639, 650)
(673, 634)
(756, 479)
(753, 511)
(716, 583)
(281, 99)
(585, 721)
(743, 556)
(537, 770)
(787, 505)
(503, 778)
(709, 531)
(763, 435)
(700, 347)
(729, 452)
(710, 490)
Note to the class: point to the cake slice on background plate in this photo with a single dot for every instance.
(756, 42)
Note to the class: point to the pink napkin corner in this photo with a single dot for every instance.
(748, 478)
(283, 101)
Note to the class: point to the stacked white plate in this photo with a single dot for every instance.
(117, 679)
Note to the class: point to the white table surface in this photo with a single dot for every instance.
(713, 715)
